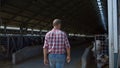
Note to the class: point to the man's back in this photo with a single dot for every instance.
(56, 41)
(56, 47)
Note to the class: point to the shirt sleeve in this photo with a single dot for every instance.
(67, 44)
(46, 42)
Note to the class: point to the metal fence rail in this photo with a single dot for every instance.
(10, 44)
(101, 51)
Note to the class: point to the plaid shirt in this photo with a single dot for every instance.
(56, 42)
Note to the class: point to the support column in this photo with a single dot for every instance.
(25, 30)
(32, 31)
(20, 38)
(40, 32)
(5, 30)
(21, 29)
(0, 25)
(113, 33)
(119, 34)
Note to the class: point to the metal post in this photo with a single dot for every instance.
(119, 33)
(40, 32)
(115, 27)
(26, 30)
(0, 25)
(32, 31)
(8, 46)
(113, 33)
(20, 38)
(5, 28)
(110, 33)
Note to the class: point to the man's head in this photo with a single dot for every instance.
(57, 23)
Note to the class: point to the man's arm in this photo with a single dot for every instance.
(68, 59)
(45, 56)
(45, 51)
(68, 51)
(67, 45)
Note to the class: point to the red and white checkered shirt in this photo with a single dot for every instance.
(56, 42)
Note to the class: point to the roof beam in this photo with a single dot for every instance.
(21, 10)
(41, 10)
(17, 14)
(69, 5)
(12, 20)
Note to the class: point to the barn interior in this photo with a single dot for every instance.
(24, 23)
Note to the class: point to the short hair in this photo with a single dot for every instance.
(56, 22)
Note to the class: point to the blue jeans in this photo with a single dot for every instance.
(57, 60)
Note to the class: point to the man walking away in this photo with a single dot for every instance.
(56, 47)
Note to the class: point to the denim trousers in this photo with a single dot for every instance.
(57, 60)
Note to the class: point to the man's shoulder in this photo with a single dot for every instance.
(62, 32)
(47, 33)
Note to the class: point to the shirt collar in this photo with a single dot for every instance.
(55, 29)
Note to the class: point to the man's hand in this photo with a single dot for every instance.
(68, 59)
(46, 61)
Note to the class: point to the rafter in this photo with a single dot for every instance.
(21, 10)
(39, 13)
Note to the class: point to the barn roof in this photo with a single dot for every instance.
(79, 16)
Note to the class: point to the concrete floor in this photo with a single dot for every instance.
(37, 62)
